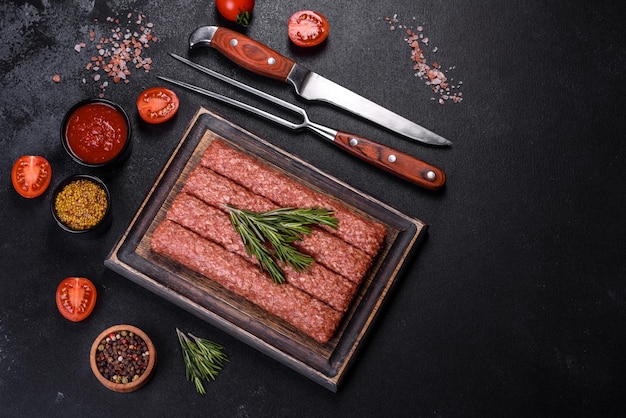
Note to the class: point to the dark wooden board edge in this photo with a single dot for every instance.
(325, 365)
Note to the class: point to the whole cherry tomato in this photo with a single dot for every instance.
(236, 10)
(308, 28)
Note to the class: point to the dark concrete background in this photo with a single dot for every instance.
(513, 306)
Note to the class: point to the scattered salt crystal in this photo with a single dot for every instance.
(432, 75)
(113, 51)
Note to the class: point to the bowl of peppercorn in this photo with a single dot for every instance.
(122, 358)
(81, 205)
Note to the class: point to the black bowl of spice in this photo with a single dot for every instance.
(122, 358)
(96, 133)
(81, 205)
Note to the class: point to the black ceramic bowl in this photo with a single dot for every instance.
(96, 133)
(81, 205)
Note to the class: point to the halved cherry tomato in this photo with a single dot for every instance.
(31, 175)
(76, 298)
(236, 10)
(308, 28)
(157, 105)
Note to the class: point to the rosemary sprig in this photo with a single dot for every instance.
(203, 359)
(268, 235)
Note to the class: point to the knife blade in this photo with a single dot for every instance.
(254, 56)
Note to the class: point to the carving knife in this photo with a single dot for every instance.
(256, 57)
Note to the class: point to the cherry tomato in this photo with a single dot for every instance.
(308, 28)
(31, 175)
(236, 10)
(157, 105)
(76, 298)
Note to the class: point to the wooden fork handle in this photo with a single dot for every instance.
(389, 159)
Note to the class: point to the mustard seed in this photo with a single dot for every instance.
(81, 204)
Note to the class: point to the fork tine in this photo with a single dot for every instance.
(233, 102)
(242, 86)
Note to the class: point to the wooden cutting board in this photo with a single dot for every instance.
(327, 363)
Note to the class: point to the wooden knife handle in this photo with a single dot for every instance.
(251, 55)
(398, 163)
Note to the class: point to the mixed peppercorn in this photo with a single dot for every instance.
(122, 357)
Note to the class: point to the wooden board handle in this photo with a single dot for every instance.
(398, 163)
(251, 55)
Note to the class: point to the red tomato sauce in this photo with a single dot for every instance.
(96, 133)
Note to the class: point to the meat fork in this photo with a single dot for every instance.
(391, 160)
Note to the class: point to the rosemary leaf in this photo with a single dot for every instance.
(253, 241)
(269, 235)
(203, 359)
(288, 254)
